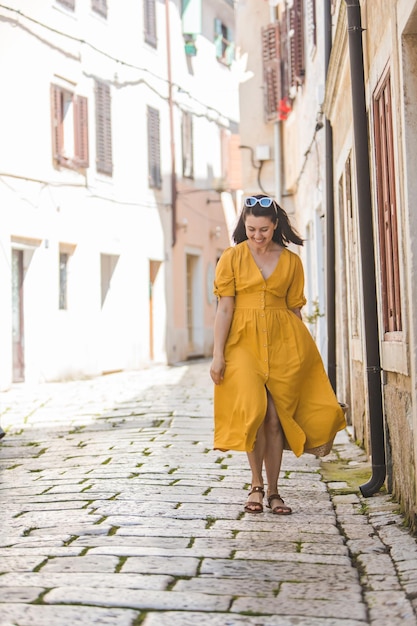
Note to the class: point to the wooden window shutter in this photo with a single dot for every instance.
(296, 45)
(81, 131)
(271, 70)
(387, 208)
(187, 146)
(284, 53)
(154, 149)
(104, 146)
(150, 22)
(70, 4)
(57, 123)
(100, 6)
(311, 25)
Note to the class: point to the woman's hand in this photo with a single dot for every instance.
(217, 368)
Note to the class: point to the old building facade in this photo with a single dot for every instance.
(387, 62)
(116, 182)
(316, 142)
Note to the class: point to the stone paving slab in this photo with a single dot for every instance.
(137, 598)
(112, 500)
(171, 618)
(347, 608)
(43, 615)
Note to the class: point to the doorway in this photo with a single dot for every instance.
(194, 306)
(18, 337)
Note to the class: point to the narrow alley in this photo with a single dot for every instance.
(116, 511)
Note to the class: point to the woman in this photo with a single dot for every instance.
(271, 389)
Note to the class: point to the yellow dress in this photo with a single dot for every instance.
(268, 346)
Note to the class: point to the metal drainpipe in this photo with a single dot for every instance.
(330, 232)
(373, 366)
(171, 127)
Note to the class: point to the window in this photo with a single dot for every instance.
(271, 70)
(63, 280)
(108, 263)
(104, 156)
(387, 207)
(70, 4)
(187, 146)
(69, 128)
(225, 48)
(292, 48)
(150, 22)
(99, 6)
(154, 150)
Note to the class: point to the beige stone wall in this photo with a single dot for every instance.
(398, 417)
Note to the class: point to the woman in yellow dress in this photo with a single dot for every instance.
(271, 389)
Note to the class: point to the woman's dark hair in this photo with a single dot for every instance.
(284, 232)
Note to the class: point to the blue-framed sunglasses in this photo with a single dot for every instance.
(265, 203)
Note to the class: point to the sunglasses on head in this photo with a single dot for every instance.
(265, 203)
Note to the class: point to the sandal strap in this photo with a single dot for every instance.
(257, 490)
(274, 496)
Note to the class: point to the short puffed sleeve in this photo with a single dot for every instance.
(224, 278)
(295, 294)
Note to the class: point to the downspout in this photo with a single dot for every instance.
(330, 228)
(367, 248)
(171, 127)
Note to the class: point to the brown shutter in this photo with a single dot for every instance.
(57, 123)
(387, 209)
(81, 131)
(296, 23)
(104, 147)
(271, 70)
(100, 6)
(70, 4)
(150, 22)
(154, 150)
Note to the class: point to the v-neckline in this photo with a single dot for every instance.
(257, 266)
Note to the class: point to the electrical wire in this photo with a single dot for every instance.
(117, 60)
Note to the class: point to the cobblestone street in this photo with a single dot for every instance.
(116, 511)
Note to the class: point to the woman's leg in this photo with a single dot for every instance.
(274, 446)
(256, 459)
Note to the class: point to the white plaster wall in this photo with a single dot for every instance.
(95, 214)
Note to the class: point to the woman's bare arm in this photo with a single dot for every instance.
(222, 324)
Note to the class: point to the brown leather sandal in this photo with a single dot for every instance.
(255, 507)
(279, 509)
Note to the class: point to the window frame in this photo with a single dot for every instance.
(100, 7)
(69, 113)
(223, 42)
(387, 206)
